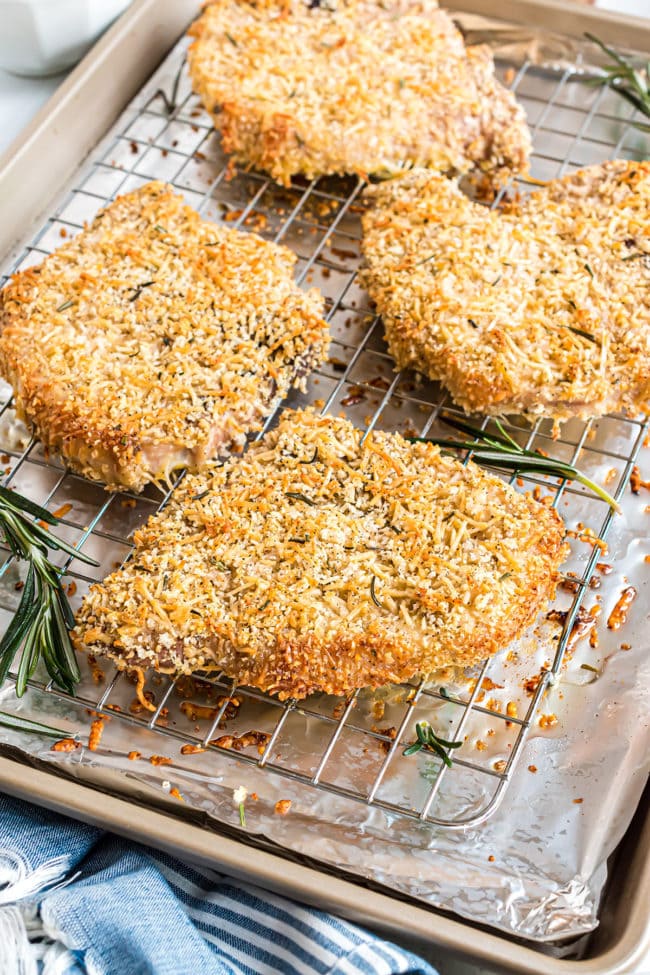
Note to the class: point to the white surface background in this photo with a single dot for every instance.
(20, 99)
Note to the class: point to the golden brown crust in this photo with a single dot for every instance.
(316, 563)
(541, 309)
(356, 86)
(154, 340)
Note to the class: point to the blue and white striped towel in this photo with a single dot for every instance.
(74, 900)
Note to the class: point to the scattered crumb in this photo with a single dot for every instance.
(282, 807)
(578, 801)
(66, 745)
(192, 749)
(176, 794)
(547, 720)
(160, 760)
(532, 768)
(378, 709)
(491, 858)
(61, 512)
(134, 756)
(95, 736)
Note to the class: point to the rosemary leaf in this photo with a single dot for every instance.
(16, 723)
(626, 80)
(300, 497)
(373, 594)
(40, 627)
(427, 738)
(581, 331)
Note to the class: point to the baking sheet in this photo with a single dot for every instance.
(537, 866)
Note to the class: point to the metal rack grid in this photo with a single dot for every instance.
(572, 126)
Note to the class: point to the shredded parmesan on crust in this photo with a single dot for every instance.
(542, 309)
(357, 86)
(316, 563)
(155, 340)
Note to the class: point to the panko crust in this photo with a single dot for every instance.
(155, 340)
(542, 308)
(317, 562)
(356, 86)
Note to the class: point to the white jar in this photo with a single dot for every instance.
(41, 37)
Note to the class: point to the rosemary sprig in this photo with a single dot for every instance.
(501, 451)
(427, 738)
(629, 82)
(41, 622)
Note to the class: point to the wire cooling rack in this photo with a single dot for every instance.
(572, 125)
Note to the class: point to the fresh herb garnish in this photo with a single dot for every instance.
(17, 723)
(594, 670)
(200, 495)
(429, 740)
(501, 451)
(443, 692)
(43, 618)
(170, 102)
(66, 304)
(373, 594)
(232, 39)
(631, 83)
(589, 271)
(300, 497)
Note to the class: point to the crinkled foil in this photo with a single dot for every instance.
(536, 867)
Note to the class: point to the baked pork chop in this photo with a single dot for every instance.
(540, 309)
(318, 562)
(355, 86)
(155, 340)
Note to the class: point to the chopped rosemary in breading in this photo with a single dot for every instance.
(373, 594)
(297, 496)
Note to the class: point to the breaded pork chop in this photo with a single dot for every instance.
(542, 309)
(320, 563)
(155, 340)
(355, 86)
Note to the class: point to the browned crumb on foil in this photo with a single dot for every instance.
(325, 561)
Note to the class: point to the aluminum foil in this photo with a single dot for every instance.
(536, 867)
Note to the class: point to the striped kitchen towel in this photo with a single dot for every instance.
(74, 900)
